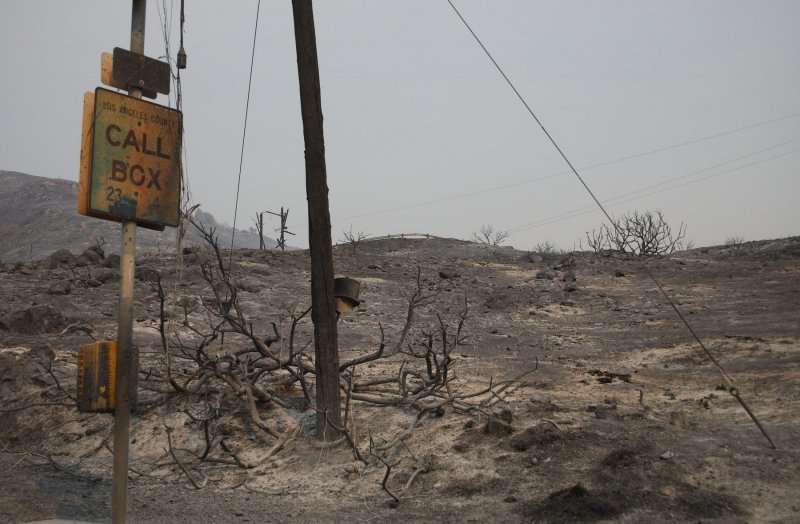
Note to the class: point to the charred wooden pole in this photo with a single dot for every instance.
(319, 225)
(284, 216)
(260, 225)
(281, 241)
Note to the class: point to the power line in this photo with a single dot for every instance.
(662, 183)
(562, 173)
(732, 389)
(530, 111)
(454, 197)
(244, 132)
(610, 202)
(696, 140)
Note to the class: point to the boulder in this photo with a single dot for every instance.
(92, 257)
(61, 258)
(97, 249)
(61, 287)
(112, 261)
(249, 284)
(105, 274)
(499, 422)
(534, 436)
(147, 274)
(35, 320)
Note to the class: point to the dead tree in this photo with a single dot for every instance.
(489, 236)
(258, 366)
(638, 235)
(354, 239)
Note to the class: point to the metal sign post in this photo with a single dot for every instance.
(130, 172)
(126, 358)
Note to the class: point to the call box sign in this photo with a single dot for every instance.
(132, 170)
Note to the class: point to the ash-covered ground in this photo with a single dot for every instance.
(621, 416)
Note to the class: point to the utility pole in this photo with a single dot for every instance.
(260, 227)
(323, 312)
(127, 361)
(284, 230)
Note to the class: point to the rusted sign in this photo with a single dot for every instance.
(133, 168)
(148, 74)
(106, 66)
(96, 377)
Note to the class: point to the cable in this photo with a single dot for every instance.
(694, 141)
(611, 201)
(530, 111)
(454, 197)
(588, 209)
(561, 173)
(731, 387)
(244, 133)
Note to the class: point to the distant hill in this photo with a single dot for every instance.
(39, 215)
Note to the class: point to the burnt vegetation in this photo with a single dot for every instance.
(227, 384)
(637, 236)
(220, 364)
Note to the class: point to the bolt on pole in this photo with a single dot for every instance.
(127, 361)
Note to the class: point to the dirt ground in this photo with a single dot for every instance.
(622, 417)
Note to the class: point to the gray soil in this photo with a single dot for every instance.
(623, 418)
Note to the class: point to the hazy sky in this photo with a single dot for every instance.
(422, 133)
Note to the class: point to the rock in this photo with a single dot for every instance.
(60, 258)
(667, 491)
(566, 262)
(445, 274)
(147, 274)
(533, 258)
(667, 455)
(92, 257)
(679, 420)
(112, 261)
(93, 282)
(499, 422)
(249, 284)
(196, 257)
(544, 275)
(510, 498)
(604, 412)
(619, 273)
(8, 365)
(35, 320)
(570, 287)
(499, 301)
(105, 275)
(42, 354)
(61, 287)
(22, 268)
(187, 302)
(533, 436)
(97, 249)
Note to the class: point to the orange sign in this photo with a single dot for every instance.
(130, 160)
